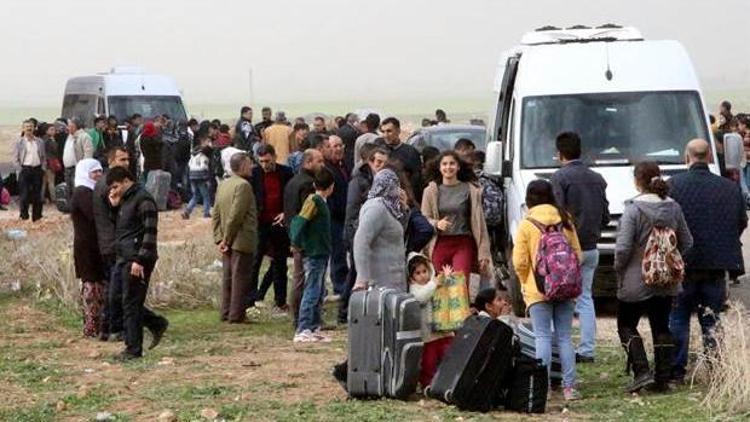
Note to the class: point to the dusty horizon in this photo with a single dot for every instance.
(329, 50)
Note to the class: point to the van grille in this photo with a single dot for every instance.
(609, 234)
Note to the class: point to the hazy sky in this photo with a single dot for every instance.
(329, 50)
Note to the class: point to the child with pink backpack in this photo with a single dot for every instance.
(546, 258)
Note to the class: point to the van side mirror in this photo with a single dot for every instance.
(493, 162)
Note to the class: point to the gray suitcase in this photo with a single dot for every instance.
(526, 340)
(157, 184)
(385, 344)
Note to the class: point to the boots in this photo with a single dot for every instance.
(638, 361)
(663, 355)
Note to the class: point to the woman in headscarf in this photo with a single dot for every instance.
(379, 250)
(89, 265)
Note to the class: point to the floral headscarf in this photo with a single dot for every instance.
(386, 185)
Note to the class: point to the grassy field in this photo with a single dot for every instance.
(249, 372)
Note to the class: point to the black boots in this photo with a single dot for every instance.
(638, 362)
(663, 355)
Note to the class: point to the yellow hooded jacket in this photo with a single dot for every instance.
(525, 248)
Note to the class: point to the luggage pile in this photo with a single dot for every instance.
(486, 367)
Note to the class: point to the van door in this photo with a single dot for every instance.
(505, 98)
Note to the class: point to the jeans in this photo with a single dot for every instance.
(560, 315)
(136, 314)
(199, 189)
(30, 191)
(312, 298)
(703, 292)
(585, 304)
(274, 242)
(339, 267)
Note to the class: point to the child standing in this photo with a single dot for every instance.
(310, 232)
(199, 173)
(422, 284)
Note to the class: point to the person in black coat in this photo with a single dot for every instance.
(403, 153)
(89, 265)
(295, 193)
(714, 209)
(357, 191)
(339, 268)
(269, 181)
(349, 134)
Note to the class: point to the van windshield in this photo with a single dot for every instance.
(615, 128)
(147, 106)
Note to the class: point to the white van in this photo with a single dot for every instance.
(628, 98)
(122, 92)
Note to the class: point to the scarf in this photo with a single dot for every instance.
(83, 172)
(385, 185)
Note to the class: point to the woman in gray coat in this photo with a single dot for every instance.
(652, 208)
(379, 250)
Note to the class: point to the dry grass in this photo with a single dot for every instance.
(728, 369)
(42, 264)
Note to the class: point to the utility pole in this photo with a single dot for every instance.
(250, 86)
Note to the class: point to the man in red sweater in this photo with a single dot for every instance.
(269, 180)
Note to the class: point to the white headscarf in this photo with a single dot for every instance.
(83, 172)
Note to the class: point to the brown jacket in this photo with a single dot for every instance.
(478, 225)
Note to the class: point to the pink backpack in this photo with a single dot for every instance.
(4, 197)
(558, 272)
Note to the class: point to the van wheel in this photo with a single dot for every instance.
(514, 286)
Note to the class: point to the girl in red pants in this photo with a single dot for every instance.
(452, 203)
(422, 284)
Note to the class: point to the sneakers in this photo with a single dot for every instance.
(571, 394)
(307, 336)
(157, 334)
(304, 336)
(320, 336)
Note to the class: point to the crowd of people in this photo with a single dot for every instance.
(350, 199)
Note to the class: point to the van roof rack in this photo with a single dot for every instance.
(581, 34)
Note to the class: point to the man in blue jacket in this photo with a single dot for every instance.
(716, 216)
(583, 193)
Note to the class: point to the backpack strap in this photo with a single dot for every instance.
(544, 228)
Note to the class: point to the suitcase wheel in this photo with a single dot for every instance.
(449, 396)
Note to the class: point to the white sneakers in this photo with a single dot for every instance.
(307, 336)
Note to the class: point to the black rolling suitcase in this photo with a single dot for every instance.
(527, 386)
(474, 367)
(385, 344)
(527, 342)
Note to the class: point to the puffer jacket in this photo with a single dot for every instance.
(641, 214)
(136, 227)
(526, 245)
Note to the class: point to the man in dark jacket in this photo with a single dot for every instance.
(135, 245)
(245, 135)
(334, 161)
(269, 181)
(405, 154)
(266, 121)
(356, 195)
(582, 192)
(104, 218)
(716, 216)
(349, 134)
(295, 193)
